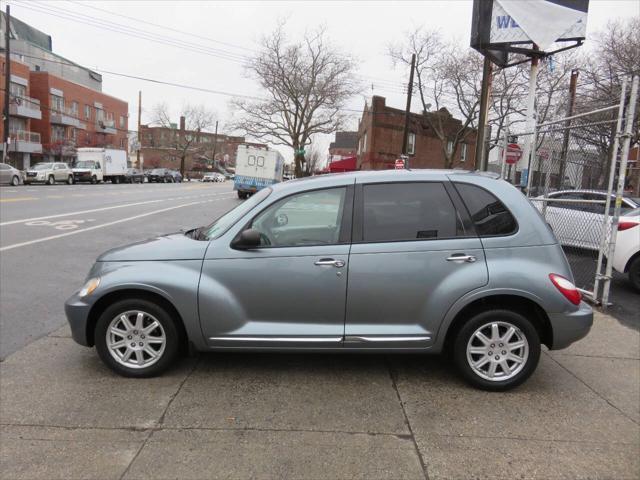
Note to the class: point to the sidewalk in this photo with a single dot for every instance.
(63, 415)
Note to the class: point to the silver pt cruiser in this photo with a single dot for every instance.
(388, 261)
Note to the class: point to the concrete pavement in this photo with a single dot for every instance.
(64, 415)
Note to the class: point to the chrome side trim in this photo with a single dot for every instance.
(278, 339)
(358, 338)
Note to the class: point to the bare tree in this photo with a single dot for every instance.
(447, 79)
(184, 142)
(314, 161)
(307, 84)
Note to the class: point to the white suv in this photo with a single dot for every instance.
(49, 173)
(626, 258)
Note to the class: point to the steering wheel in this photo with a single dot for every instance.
(264, 240)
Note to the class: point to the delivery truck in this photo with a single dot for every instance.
(95, 165)
(256, 168)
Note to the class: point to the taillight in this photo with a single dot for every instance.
(566, 288)
(627, 225)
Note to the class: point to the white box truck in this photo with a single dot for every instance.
(256, 168)
(100, 165)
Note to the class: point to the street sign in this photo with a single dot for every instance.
(514, 153)
(399, 164)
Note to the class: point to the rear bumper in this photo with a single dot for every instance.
(571, 327)
(77, 312)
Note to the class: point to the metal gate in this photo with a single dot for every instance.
(575, 177)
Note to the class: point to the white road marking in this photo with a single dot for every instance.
(102, 225)
(12, 222)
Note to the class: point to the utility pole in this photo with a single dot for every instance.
(485, 95)
(215, 146)
(7, 85)
(529, 151)
(139, 123)
(407, 113)
(567, 131)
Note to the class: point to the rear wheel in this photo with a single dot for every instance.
(70, 180)
(15, 181)
(634, 273)
(136, 338)
(497, 349)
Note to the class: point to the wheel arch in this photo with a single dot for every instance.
(631, 260)
(514, 302)
(134, 293)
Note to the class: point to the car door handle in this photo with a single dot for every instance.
(330, 262)
(461, 257)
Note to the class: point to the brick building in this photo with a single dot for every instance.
(23, 109)
(380, 135)
(162, 147)
(56, 103)
(345, 145)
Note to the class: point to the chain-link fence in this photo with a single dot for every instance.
(573, 178)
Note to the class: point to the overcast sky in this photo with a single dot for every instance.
(229, 31)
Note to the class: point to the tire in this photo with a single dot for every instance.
(70, 180)
(241, 195)
(15, 181)
(167, 352)
(51, 180)
(529, 352)
(164, 180)
(634, 274)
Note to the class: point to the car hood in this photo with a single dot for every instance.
(80, 170)
(175, 246)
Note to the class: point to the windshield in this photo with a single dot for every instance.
(85, 164)
(223, 223)
(43, 166)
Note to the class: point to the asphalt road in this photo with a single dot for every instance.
(50, 236)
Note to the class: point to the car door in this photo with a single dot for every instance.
(291, 290)
(414, 253)
(5, 172)
(567, 217)
(59, 172)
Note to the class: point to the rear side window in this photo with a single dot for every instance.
(408, 211)
(489, 215)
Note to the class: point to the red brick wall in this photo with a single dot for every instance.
(21, 70)
(41, 84)
(384, 128)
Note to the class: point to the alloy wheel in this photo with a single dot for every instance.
(136, 339)
(497, 351)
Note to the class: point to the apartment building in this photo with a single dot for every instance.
(380, 137)
(23, 109)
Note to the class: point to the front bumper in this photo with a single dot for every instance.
(77, 312)
(571, 327)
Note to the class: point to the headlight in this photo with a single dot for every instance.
(89, 287)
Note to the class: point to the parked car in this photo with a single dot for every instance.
(134, 175)
(421, 261)
(626, 258)
(10, 175)
(213, 177)
(49, 173)
(576, 222)
(160, 175)
(176, 176)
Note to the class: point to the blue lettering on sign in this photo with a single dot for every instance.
(505, 21)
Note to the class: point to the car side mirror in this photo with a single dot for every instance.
(248, 239)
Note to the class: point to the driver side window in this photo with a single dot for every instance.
(309, 218)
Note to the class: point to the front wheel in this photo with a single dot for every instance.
(70, 180)
(634, 273)
(497, 349)
(136, 338)
(51, 180)
(15, 181)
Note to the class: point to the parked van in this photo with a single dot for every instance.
(100, 165)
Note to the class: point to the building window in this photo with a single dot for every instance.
(57, 133)
(17, 90)
(364, 143)
(87, 112)
(99, 115)
(74, 108)
(57, 103)
(463, 152)
(73, 134)
(121, 121)
(449, 146)
(123, 142)
(411, 143)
